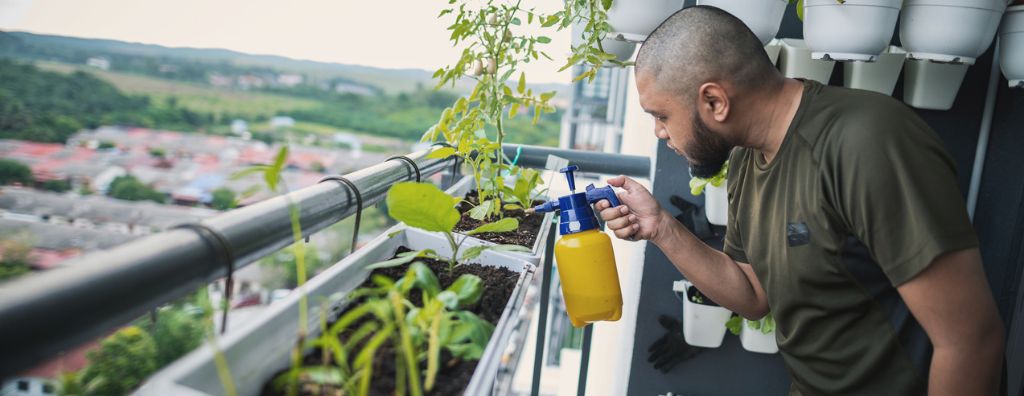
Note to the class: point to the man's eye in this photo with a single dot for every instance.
(661, 118)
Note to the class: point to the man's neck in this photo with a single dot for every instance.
(771, 121)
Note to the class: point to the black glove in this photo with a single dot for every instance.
(671, 348)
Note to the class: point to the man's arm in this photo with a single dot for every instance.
(952, 302)
(727, 282)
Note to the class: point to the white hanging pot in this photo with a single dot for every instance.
(623, 50)
(640, 17)
(772, 49)
(716, 203)
(757, 341)
(854, 30)
(763, 17)
(930, 85)
(1011, 46)
(879, 76)
(795, 62)
(703, 324)
(951, 31)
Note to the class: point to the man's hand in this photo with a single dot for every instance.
(639, 216)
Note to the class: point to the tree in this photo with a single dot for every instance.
(14, 259)
(176, 333)
(158, 152)
(123, 361)
(284, 263)
(57, 185)
(14, 172)
(131, 189)
(223, 199)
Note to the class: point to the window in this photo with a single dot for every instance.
(23, 385)
(48, 389)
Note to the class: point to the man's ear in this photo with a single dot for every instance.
(713, 102)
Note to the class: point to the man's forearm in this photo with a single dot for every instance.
(973, 367)
(713, 272)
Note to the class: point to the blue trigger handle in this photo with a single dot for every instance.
(595, 194)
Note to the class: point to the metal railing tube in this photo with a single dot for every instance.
(588, 161)
(43, 314)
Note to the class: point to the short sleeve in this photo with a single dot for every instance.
(733, 245)
(895, 187)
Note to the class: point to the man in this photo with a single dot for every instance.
(844, 218)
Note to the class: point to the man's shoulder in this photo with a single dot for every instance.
(852, 119)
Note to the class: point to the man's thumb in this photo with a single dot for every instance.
(623, 182)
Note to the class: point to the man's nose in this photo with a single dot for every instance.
(660, 133)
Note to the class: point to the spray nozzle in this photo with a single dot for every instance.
(569, 176)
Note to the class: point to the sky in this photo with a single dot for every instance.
(381, 33)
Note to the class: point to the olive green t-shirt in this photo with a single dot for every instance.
(860, 198)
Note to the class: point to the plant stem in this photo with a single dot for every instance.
(412, 370)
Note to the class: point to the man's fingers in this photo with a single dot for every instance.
(609, 214)
(601, 205)
(621, 222)
(617, 181)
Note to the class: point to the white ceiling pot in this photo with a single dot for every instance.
(879, 76)
(763, 17)
(623, 50)
(638, 18)
(949, 31)
(931, 85)
(854, 30)
(1011, 46)
(795, 62)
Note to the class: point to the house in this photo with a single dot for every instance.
(98, 62)
(289, 80)
(282, 122)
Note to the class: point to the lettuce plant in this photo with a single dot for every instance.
(765, 325)
(697, 184)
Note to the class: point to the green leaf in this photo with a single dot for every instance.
(547, 95)
(449, 299)
(279, 161)
(480, 211)
(425, 279)
(504, 225)
(550, 21)
(443, 152)
(402, 259)
(248, 171)
(522, 83)
(735, 324)
(473, 252)
(422, 205)
(607, 4)
(543, 39)
(511, 248)
(516, 21)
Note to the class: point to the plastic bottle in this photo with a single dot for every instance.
(586, 262)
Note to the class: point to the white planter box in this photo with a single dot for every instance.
(703, 325)
(763, 17)
(1011, 46)
(879, 76)
(857, 30)
(460, 188)
(640, 17)
(716, 203)
(951, 31)
(756, 341)
(772, 49)
(795, 62)
(262, 347)
(930, 85)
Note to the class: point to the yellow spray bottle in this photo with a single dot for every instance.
(586, 262)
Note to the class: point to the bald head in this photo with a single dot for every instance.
(704, 44)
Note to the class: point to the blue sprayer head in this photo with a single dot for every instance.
(576, 213)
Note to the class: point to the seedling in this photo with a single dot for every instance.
(424, 206)
(417, 333)
(765, 325)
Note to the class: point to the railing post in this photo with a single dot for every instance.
(542, 322)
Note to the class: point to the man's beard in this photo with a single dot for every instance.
(708, 151)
